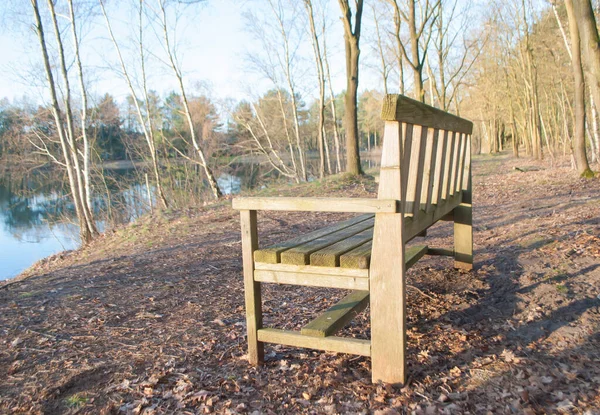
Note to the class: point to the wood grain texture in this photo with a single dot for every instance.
(418, 171)
(361, 257)
(309, 269)
(455, 164)
(463, 222)
(324, 279)
(387, 268)
(430, 165)
(448, 165)
(330, 255)
(358, 258)
(337, 316)
(415, 225)
(300, 255)
(316, 204)
(272, 254)
(388, 301)
(403, 109)
(252, 293)
(332, 343)
(440, 167)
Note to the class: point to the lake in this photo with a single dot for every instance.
(37, 218)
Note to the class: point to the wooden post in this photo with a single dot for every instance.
(387, 273)
(463, 219)
(251, 287)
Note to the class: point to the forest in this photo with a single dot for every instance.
(526, 72)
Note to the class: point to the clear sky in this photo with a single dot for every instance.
(213, 53)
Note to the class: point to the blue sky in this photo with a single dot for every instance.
(213, 53)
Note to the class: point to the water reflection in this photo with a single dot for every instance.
(37, 217)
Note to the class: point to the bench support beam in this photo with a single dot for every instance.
(337, 316)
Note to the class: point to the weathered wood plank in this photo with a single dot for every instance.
(332, 343)
(430, 165)
(448, 165)
(463, 159)
(415, 225)
(360, 257)
(325, 279)
(417, 172)
(404, 156)
(413, 254)
(330, 255)
(337, 316)
(455, 163)
(272, 254)
(440, 168)
(386, 273)
(463, 223)
(404, 109)
(440, 252)
(300, 255)
(252, 294)
(317, 204)
(309, 269)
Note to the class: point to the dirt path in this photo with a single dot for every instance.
(149, 319)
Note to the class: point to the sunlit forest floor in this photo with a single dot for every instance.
(149, 318)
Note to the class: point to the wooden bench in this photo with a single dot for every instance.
(425, 176)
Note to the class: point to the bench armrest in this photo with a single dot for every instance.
(317, 204)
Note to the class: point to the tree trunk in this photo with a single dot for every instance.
(321, 77)
(352, 38)
(85, 232)
(579, 154)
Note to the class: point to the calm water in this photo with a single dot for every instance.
(37, 218)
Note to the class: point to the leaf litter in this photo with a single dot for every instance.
(124, 326)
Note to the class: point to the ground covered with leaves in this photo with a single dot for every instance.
(150, 318)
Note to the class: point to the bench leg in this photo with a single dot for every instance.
(388, 301)
(463, 227)
(463, 237)
(252, 293)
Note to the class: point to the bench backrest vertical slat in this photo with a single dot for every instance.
(461, 169)
(431, 152)
(448, 166)
(430, 164)
(439, 168)
(467, 167)
(405, 163)
(415, 174)
(390, 173)
(455, 164)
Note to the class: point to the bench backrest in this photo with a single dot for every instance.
(426, 155)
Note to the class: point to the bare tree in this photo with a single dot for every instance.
(216, 191)
(351, 42)
(64, 124)
(321, 78)
(334, 121)
(144, 121)
(579, 140)
(420, 32)
(590, 45)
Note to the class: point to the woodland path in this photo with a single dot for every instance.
(149, 318)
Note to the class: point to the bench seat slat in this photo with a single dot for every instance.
(330, 255)
(331, 343)
(361, 256)
(272, 254)
(300, 255)
(337, 316)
